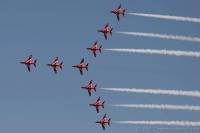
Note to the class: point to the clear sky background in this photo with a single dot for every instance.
(42, 102)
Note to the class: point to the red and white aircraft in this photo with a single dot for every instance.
(90, 87)
(28, 62)
(55, 64)
(106, 30)
(118, 11)
(104, 121)
(81, 66)
(94, 48)
(98, 104)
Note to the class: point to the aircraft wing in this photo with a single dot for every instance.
(28, 67)
(55, 60)
(30, 57)
(99, 98)
(90, 82)
(94, 53)
(81, 71)
(28, 60)
(82, 60)
(104, 116)
(55, 70)
(106, 26)
(89, 92)
(103, 126)
(120, 6)
(95, 44)
(97, 109)
(118, 18)
(105, 36)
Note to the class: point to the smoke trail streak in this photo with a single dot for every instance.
(159, 52)
(156, 91)
(168, 17)
(160, 106)
(162, 36)
(165, 123)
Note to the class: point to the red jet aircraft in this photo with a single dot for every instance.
(94, 48)
(104, 121)
(55, 64)
(118, 11)
(28, 62)
(89, 87)
(106, 30)
(98, 104)
(81, 66)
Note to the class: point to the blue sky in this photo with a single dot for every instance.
(43, 102)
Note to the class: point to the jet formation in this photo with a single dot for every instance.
(98, 104)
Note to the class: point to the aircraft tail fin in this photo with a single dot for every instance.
(87, 66)
(61, 65)
(95, 88)
(109, 122)
(100, 48)
(111, 31)
(35, 61)
(103, 104)
(124, 12)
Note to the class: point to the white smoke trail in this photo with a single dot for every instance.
(156, 91)
(160, 106)
(162, 36)
(168, 17)
(159, 52)
(165, 123)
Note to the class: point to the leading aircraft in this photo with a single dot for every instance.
(119, 11)
(94, 48)
(55, 64)
(81, 66)
(106, 30)
(29, 61)
(104, 121)
(90, 87)
(98, 104)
